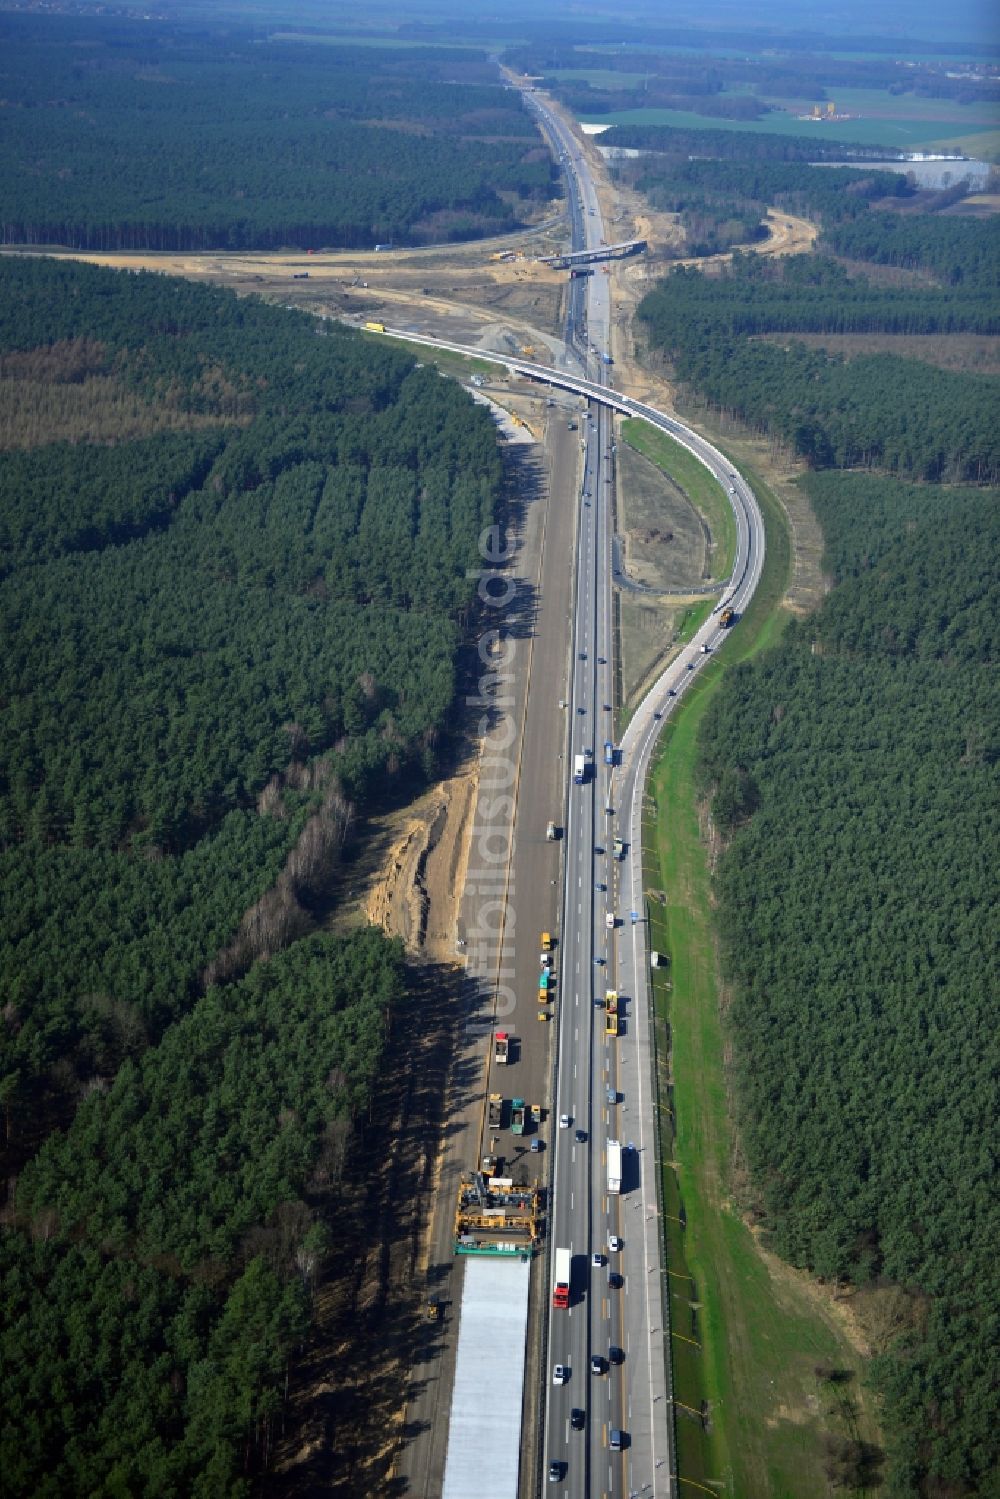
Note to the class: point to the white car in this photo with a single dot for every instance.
(614, 1243)
(564, 1121)
(560, 1374)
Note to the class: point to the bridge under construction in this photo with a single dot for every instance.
(593, 257)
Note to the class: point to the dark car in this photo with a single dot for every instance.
(616, 1355)
(556, 1471)
(577, 1419)
(615, 1281)
(597, 1364)
(581, 1136)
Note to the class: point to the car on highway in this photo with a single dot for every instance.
(617, 1440)
(560, 1374)
(577, 1419)
(600, 885)
(615, 1243)
(597, 1260)
(556, 1471)
(671, 692)
(612, 1096)
(615, 1281)
(564, 1121)
(583, 655)
(581, 1137)
(616, 1355)
(598, 1365)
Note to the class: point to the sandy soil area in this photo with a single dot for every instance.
(415, 895)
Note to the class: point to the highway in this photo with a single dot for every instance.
(614, 1298)
(618, 1310)
(603, 1085)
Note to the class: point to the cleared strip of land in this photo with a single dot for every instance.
(750, 1334)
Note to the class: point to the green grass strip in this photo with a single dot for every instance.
(705, 493)
(461, 366)
(747, 1336)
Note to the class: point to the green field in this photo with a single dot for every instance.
(748, 1335)
(702, 490)
(905, 134)
(878, 103)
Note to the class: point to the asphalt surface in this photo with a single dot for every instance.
(557, 646)
(614, 1375)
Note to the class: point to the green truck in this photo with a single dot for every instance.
(517, 1116)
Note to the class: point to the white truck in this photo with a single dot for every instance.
(614, 1166)
(579, 769)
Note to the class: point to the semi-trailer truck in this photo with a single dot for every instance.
(614, 1166)
(560, 1279)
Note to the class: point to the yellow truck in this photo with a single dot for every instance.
(375, 327)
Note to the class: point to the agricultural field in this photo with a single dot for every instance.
(915, 133)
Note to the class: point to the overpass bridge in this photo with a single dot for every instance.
(593, 257)
(543, 373)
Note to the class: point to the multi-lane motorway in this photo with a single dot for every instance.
(610, 1417)
(603, 1085)
(609, 1425)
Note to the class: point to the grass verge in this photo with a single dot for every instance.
(448, 363)
(748, 1333)
(704, 492)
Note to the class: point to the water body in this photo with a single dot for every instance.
(935, 175)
